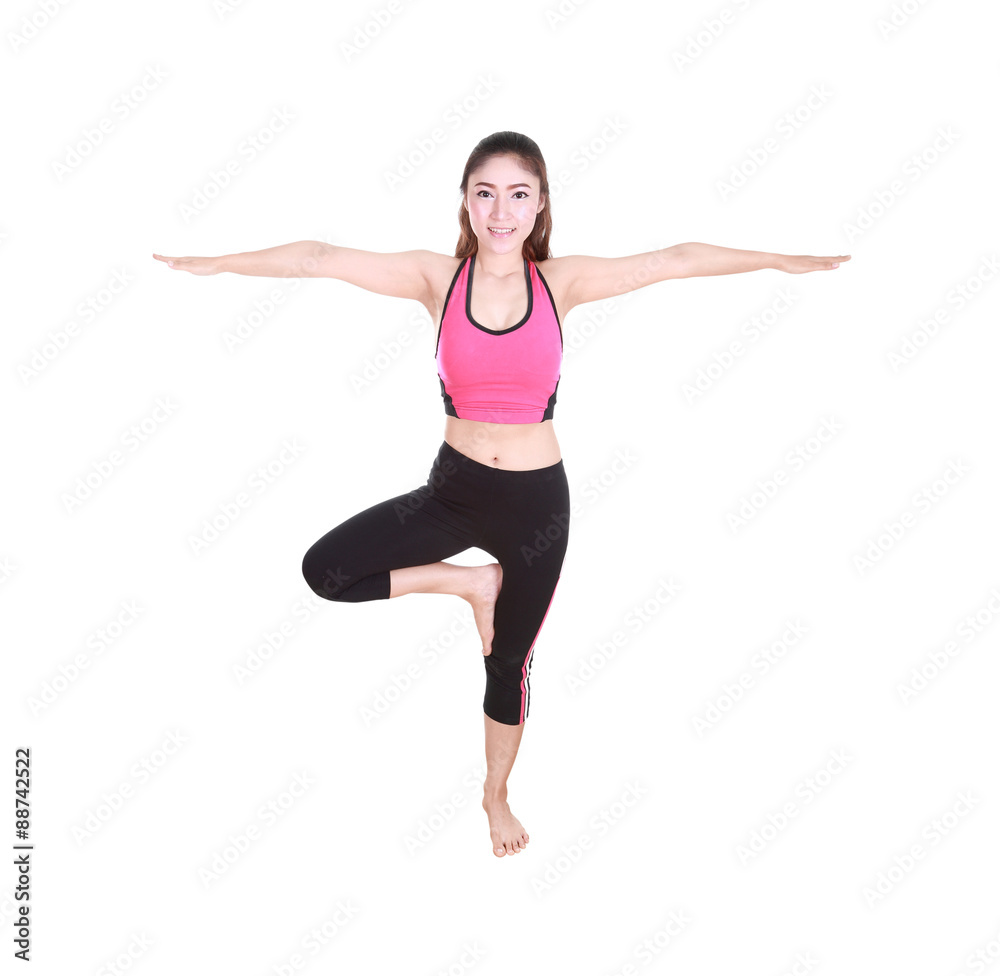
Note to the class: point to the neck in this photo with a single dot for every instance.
(499, 265)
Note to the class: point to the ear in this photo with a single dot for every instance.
(542, 201)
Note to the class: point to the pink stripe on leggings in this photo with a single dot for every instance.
(524, 667)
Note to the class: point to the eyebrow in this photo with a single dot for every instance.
(511, 187)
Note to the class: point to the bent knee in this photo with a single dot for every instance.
(346, 582)
(324, 576)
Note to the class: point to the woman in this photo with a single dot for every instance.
(498, 481)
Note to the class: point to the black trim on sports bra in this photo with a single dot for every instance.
(555, 311)
(468, 300)
(447, 298)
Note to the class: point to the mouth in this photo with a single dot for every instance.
(501, 231)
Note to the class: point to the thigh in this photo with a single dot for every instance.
(531, 553)
(528, 534)
(527, 527)
(411, 529)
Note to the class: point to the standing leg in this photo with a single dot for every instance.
(527, 531)
(502, 742)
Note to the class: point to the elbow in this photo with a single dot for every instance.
(316, 260)
(680, 260)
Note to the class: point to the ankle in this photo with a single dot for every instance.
(466, 584)
(493, 794)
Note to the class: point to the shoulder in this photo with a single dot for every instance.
(584, 278)
(560, 275)
(439, 270)
(555, 269)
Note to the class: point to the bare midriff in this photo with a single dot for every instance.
(514, 447)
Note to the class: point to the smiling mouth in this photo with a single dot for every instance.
(501, 231)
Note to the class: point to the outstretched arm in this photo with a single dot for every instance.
(709, 259)
(404, 274)
(591, 279)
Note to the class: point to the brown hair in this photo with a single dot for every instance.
(526, 151)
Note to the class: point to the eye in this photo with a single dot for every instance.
(520, 193)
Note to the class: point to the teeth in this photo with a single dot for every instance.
(502, 230)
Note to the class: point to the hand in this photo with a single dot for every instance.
(198, 266)
(800, 263)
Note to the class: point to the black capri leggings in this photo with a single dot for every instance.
(521, 518)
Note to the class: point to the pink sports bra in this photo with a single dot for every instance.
(508, 376)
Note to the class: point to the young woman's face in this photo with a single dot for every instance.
(501, 197)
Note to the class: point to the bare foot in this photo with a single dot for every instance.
(483, 597)
(506, 832)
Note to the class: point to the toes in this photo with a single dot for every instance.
(514, 846)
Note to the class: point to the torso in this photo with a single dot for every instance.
(499, 305)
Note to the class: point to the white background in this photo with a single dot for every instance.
(636, 814)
